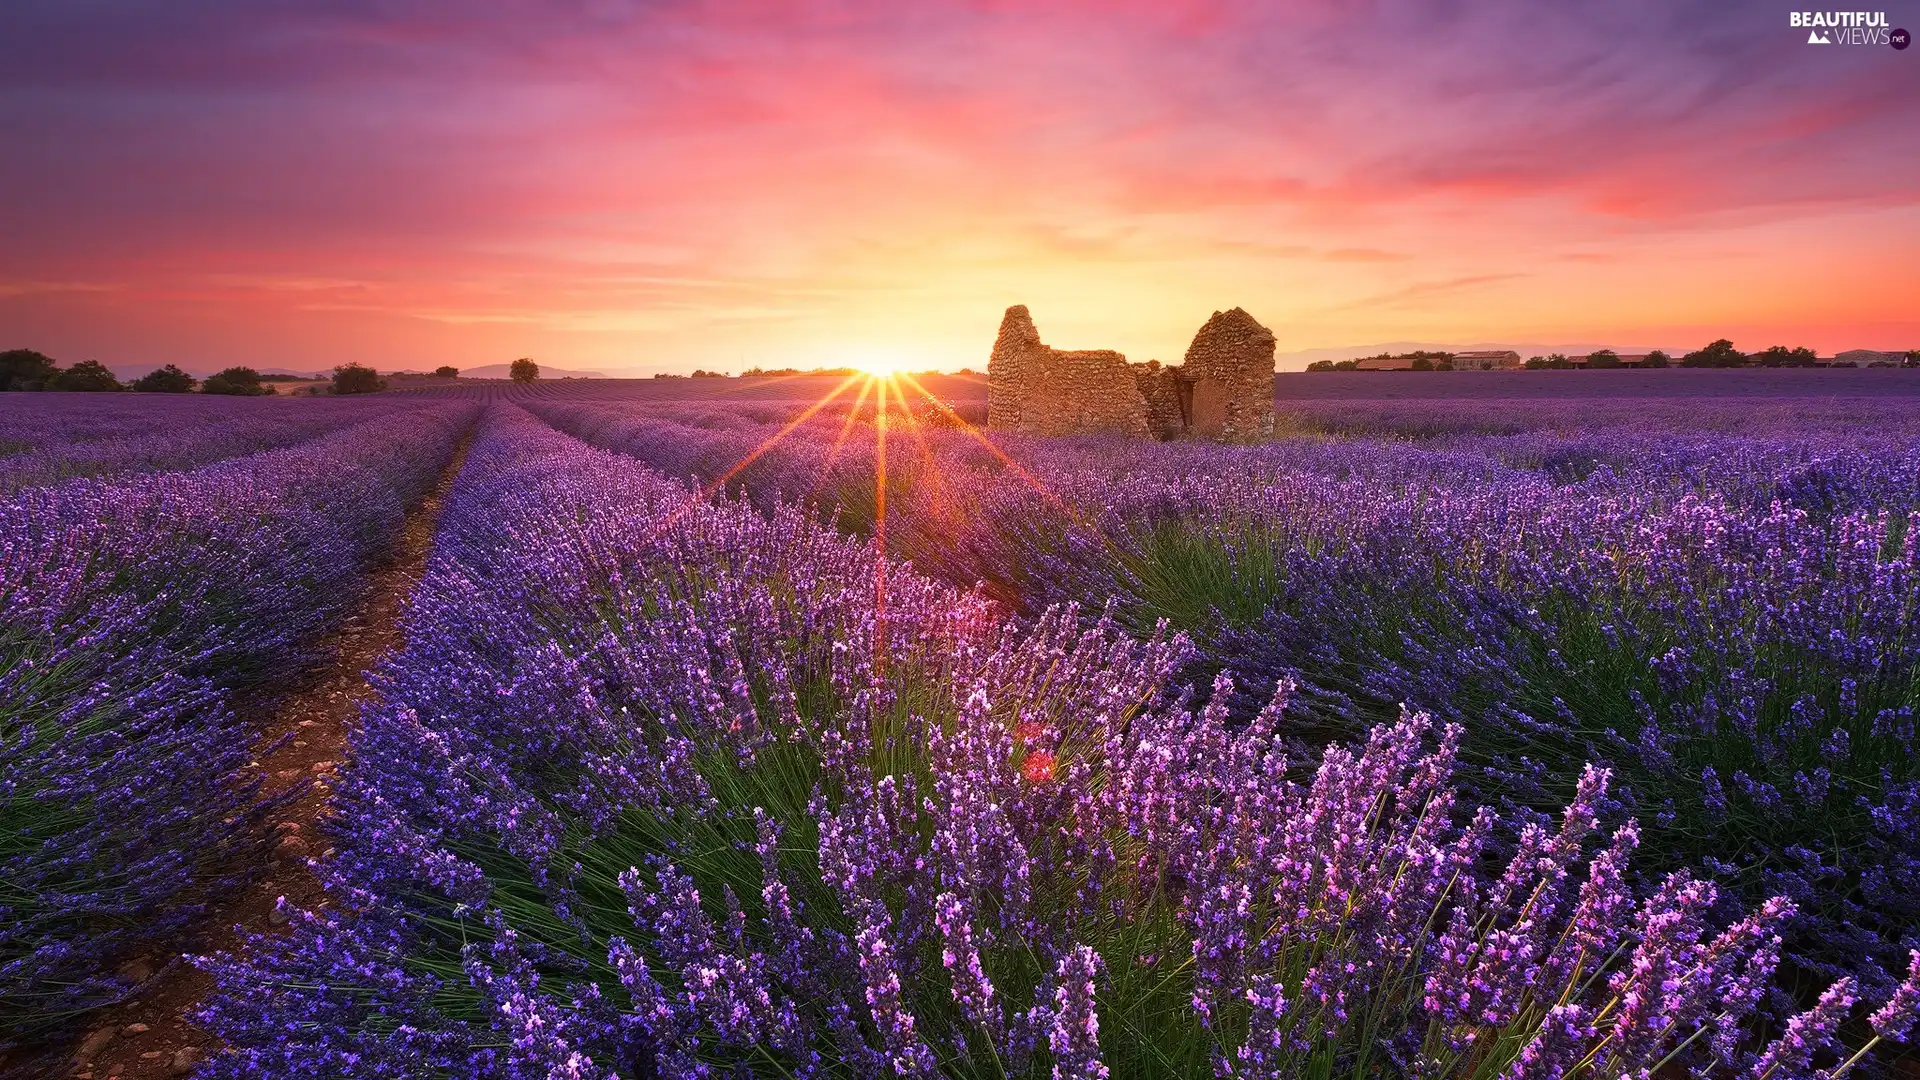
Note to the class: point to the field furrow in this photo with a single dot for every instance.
(147, 618)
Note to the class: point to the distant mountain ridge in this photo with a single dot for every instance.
(500, 371)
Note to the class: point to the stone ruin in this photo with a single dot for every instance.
(1223, 389)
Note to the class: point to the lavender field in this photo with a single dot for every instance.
(786, 728)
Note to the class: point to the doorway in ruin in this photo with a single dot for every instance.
(1209, 412)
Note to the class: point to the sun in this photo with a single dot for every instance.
(877, 369)
(878, 365)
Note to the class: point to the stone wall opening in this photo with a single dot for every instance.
(1210, 411)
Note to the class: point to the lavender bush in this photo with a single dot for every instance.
(134, 610)
(1716, 603)
(55, 437)
(665, 786)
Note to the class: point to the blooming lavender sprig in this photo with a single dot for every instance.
(1895, 1019)
(879, 971)
(960, 955)
(1791, 1055)
(1075, 1035)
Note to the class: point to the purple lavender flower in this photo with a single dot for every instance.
(1895, 1019)
(1790, 1056)
(1075, 1035)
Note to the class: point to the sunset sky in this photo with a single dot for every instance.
(631, 187)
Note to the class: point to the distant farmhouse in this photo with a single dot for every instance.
(1867, 358)
(1487, 360)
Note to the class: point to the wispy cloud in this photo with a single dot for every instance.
(1365, 255)
(1424, 290)
(33, 288)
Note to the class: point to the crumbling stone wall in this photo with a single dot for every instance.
(1166, 398)
(1076, 392)
(1230, 364)
(1223, 390)
(1016, 356)
(1047, 391)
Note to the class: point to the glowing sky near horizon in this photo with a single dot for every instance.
(631, 187)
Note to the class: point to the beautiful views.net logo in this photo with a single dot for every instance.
(1848, 28)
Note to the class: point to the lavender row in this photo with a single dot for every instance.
(1821, 456)
(135, 610)
(34, 420)
(665, 786)
(62, 437)
(1729, 626)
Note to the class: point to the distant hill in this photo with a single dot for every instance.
(499, 371)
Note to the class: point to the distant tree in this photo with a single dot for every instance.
(1913, 358)
(1320, 365)
(1781, 356)
(1656, 359)
(788, 372)
(1536, 363)
(447, 371)
(1559, 361)
(1347, 365)
(1603, 358)
(87, 376)
(700, 374)
(165, 380)
(25, 369)
(1444, 365)
(357, 379)
(1421, 363)
(668, 375)
(1718, 354)
(524, 370)
(238, 381)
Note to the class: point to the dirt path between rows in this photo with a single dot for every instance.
(150, 1037)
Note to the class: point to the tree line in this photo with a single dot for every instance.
(30, 370)
(1717, 354)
